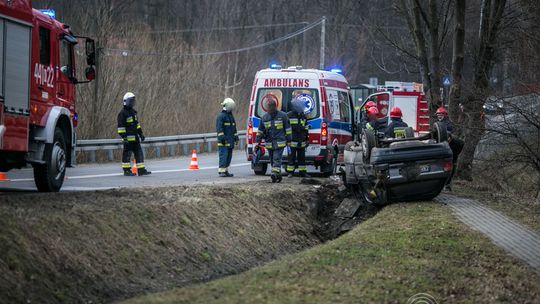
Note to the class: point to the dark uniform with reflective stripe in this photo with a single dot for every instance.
(276, 131)
(299, 142)
(227, 135)
(130, 131)
(455, 144)
(396, 128)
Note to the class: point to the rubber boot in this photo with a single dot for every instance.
(273, 177)
(290, 174)
(127, 172)
(143, 171)
(222, 174)
(278, 178)
(227, 174)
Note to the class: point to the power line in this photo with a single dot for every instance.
(225, 28)
(127, 52)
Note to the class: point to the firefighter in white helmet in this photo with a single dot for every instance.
(132, 135)
(227, 136)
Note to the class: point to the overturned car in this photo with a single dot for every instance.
(384, 170)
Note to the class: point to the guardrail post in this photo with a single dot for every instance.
(158, 152)
(92, 156)
(241, 143)
(208, 146)
(172, 150)
(110, 155)
(198, 147)
(185, 149)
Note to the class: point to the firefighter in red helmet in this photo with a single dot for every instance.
(455, 143)
(396, 127)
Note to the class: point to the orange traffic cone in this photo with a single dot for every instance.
(194, 163)
(3, 177)
(134, 169)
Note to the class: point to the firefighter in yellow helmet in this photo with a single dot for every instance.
(227, 136)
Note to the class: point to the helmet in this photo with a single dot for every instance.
(372, 112)
(370, 104)
(228, 104)
(298, 105)
(395, 113)
(442, 111)
(129, 100)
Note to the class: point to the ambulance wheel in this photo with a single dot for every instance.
(368, 142)
(439, 132)
(260, 169)
(409, 132)
(49, 177)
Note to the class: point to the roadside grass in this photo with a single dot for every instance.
(404, 250)
(525, 209)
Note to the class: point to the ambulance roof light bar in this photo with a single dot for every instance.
(338, 71)
(275, 66)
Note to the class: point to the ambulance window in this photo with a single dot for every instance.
(344, 107)
(44, 46)
(66, 58)
(311, 100)
(264, 96)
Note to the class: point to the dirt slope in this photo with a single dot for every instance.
(105, 246)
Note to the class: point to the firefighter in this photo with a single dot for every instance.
(276, 131)
(299, 137)
(373, 123)
(455, 143)
(227, 136)
(132, 135)
(367, 106)
(396, 128)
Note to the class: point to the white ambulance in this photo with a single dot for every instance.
(329, 110)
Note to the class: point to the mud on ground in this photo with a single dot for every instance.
(109, 245)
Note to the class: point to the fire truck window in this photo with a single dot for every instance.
(44, 46)
(310, 99)
(264, 96)
(65, 58)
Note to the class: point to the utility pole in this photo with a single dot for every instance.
(323, 34)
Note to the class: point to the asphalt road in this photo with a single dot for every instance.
(165, 172)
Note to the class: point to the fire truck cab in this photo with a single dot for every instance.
(37, 92)
(409, 98)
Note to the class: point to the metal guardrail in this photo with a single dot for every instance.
(91, 146)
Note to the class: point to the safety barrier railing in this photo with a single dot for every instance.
(90, 147)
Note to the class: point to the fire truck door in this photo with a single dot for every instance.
(66, 71)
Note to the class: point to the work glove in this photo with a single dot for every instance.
(124, 140)
(142, 137)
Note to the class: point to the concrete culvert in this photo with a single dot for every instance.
(111, 245)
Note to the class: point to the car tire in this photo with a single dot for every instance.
(260, 169)
(49, 177)
(369, 141)
(439, 132)
(409, 132)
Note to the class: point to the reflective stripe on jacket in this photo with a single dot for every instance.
(275, 130)
(300, 129)
(226, 129)
(128, 124)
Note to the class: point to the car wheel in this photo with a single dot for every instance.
(49, 177)
(368, 142)
(439, 132)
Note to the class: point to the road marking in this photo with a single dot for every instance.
(120, 174)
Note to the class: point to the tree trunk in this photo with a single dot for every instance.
(458, 54)
(490, 21)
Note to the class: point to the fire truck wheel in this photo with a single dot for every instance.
(439, 132)
(49, 177)
(260, 169)
(409, 132)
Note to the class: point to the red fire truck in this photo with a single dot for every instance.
(37, 92)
